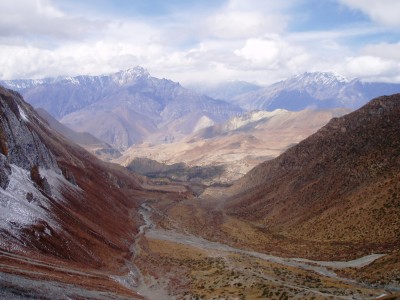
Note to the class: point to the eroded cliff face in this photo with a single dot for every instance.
(24, 159)
(19, 144)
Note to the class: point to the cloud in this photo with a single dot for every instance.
(372, 68)
(246, 19)
(35, 19)
(274, 52)
(263, 53)
(386, 50)
(236, 24)
(385, 12)
(237, 39)
(376, 62)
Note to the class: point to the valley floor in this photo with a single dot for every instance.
(185, 251)
(176, 264)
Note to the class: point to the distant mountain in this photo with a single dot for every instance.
(315, 90)
(226, 90)
(340, 185)
(126, 107)
(237, 145)
(84, 139)
(130, 107)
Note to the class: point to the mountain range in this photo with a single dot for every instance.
(320, 90)
(130, 107)
(126, 107)
(225, 90)
(88, 141)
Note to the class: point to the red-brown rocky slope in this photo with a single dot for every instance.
(66, 216)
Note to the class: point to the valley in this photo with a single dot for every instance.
(172, 263)
(197, 267)
(214, 247)
(234, 147)
(131, 115)
(265, 205)
(199, 150)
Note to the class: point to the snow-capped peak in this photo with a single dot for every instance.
(72, 80)
(132, 74)
(22, 83)
(324, 78)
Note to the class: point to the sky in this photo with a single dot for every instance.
(201, 41)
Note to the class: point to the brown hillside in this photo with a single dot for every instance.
(342, 184)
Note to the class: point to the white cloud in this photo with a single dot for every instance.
(386, 50)
(246, 19)
(370, 66)
(376, 62)
(385, 12)
(40, 19)
(274, 52)
(71, 59)
(235, 24)
(262, 52)
(243, 39)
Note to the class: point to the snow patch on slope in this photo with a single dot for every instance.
(58, 184)
(23, 205)
(72, 80)
(251, 117)
(203, 122)
(23, 114)
(15, 207)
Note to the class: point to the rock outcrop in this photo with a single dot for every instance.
(20, 145)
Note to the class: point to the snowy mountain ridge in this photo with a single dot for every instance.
(122, 77)
(314, 90)
(324, 78)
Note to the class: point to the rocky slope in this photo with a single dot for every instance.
(126, 107)
(315, 89)
(340, 185)
(67, 220)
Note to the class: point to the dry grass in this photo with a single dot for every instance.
(191, 273)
